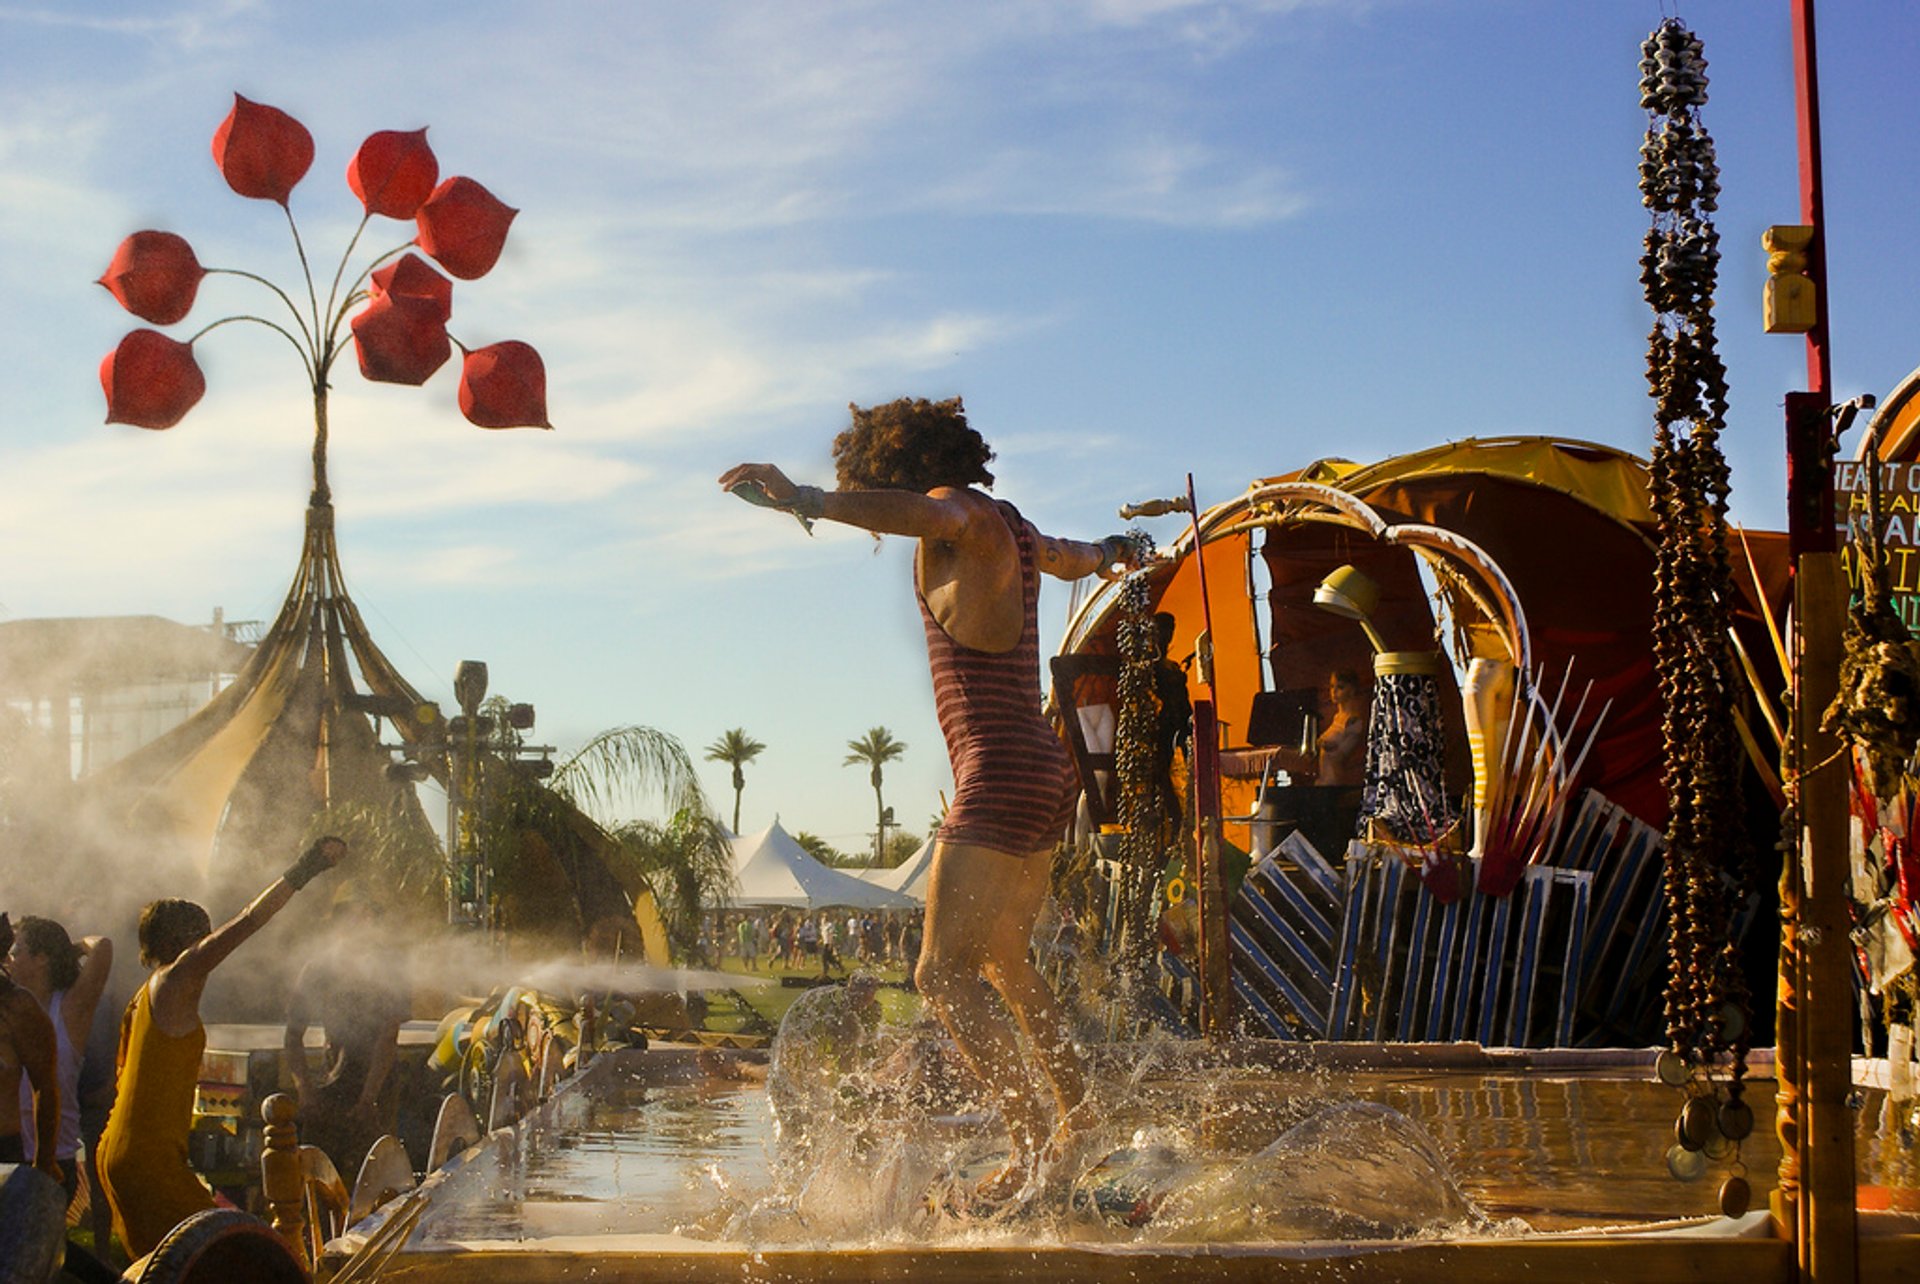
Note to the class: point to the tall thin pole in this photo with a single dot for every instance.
(1216, 977)
(1813, 213)
(1816, 1033)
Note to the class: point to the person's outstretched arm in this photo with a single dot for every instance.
(1072, 559)
(938, 515)
(83, 996)
(176, 988)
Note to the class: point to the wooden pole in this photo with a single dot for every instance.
(282, 1184)
(1827, 1218)
(1216, 972)
(1815, 1042)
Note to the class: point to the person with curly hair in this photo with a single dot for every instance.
(916, 468)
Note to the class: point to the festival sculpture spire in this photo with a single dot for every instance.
(295, 722)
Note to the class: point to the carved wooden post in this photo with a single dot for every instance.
(1787, 1068)
(281, 1180)
(1827, 1175)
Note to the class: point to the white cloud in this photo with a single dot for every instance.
(189, 27)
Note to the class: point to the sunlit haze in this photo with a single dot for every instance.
(1141, 238)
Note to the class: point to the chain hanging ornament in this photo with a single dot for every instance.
(1139, 810)
(1707, 1008)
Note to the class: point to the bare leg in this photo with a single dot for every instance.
(981, 906)
(1009, 967)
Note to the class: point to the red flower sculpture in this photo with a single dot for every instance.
(393, 172)
(411, 278)
(396, 309)
(261, 151)
(400, 340)
(463, 226)
(504, 385)
(151, 381)
(155, 276)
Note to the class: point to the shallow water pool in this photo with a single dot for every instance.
(622, 1153)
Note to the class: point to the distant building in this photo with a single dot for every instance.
(106, 685)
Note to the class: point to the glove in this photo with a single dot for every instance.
(316, 860)
(1117, 550)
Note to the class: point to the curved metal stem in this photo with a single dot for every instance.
(306, 359)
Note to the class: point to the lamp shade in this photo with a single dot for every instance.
(1348, 591)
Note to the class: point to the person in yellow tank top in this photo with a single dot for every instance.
(143, 1154)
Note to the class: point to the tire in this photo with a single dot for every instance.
(222, 1246)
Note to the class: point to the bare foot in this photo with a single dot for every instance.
(1068, 1132)
(1007, 1182)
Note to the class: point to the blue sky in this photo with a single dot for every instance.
(1140, 237)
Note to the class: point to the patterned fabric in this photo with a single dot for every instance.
(1405, 787)
(1014, 785)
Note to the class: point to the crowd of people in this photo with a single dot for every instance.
(116, 1113)
(832, 940)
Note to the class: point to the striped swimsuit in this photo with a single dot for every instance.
(1014, 785)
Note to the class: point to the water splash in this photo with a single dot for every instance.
(879, 1136)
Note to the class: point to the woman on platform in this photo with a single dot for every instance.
(143, 1154)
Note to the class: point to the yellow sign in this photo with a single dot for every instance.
(1899, 528)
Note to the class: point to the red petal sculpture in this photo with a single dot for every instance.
(504, 385)
(262, 152)
(393, 172)
(400, 339)
(411, 278)
(463, 226)
(155, 276)
(151, 381)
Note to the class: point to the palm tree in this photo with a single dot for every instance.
(876, 748)
(736, 749)
(822, 850)
(688, 862)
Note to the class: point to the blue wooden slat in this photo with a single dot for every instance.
(1359, 879)
(1277, 978)
(1587, 833)
(1572, 965)
(1256, 1003)
(1387, 934)
(1272, 884)
(1415, 995)
(1472, 951)
(1307, 859)
(1535, 889)
(1454, 921)
(1299, 949)
(1495, 953)
(1622, 881)
(1649, 930)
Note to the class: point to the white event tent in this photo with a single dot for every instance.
(771, 869)
(909, 877)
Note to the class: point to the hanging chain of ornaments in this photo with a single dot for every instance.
(1706, 1002)
(1139, 810)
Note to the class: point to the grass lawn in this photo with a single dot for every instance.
(763, 991)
